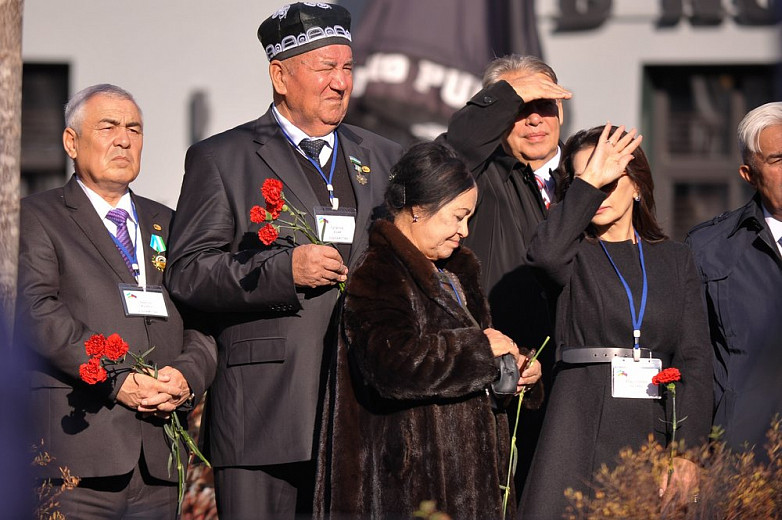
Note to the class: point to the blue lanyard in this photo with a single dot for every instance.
(453, 287)
(640, 318)
(316, 164)
(133, 259)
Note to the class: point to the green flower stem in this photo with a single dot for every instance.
(513, 449)
(672, 389)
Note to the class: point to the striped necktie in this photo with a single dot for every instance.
(120, 217)
(543, 191)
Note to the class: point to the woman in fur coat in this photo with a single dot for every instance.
(409, 414)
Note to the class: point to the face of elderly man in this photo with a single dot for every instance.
(534, 137)
(765, 172)
(314, 87)
(106, 148)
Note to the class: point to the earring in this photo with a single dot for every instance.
(415, 218)
(637, 198)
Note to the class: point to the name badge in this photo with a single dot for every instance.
(146, 301)
(633, 379)
(336, 226)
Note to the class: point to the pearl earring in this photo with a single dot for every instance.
(637, 198)
(415, 218)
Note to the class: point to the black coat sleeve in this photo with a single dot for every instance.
(477, 129)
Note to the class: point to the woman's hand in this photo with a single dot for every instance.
(501, 344)
(611, 156)
(683, 485)
(530, 372)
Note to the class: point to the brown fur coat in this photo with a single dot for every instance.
(407, 417)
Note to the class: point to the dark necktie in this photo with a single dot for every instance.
(120, 217)
(312, 148)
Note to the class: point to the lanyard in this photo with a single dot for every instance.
(329, 186)
(637, 320)
(133, 259)
(453, 287)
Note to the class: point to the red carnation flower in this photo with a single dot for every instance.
(257, 215)
(268, 234)
(669, 375)
(275, 209)
(272, 191)
(92, 372)
(95, 345)
(115, 347)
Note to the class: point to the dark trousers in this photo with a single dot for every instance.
(135, 495)
(276, 492)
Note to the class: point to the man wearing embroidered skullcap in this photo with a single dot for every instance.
(739, 256)
(272, 302)
(91, 261)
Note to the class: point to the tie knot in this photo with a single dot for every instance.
(312, 147)
(119, 216)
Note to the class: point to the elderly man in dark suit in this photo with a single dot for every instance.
(89, 251)
(739, 256)
(273, 306)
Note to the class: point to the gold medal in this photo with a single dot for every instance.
(361, 178)
(159, 261)
(156, 227)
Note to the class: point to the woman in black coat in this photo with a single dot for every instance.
(409, 415)
(594, 252)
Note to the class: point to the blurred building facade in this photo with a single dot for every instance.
(683, 71)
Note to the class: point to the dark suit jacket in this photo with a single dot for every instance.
(741, 272)
(69, 272)
(263, 404)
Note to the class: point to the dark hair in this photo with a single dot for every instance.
(429, 175)
(638, 171)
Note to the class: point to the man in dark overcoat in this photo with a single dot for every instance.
(508, 134)
(739, 256)
(272, 306)
(88, 253)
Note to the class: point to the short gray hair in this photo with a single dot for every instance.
(753, 124)
(513, 63)
(74, 107)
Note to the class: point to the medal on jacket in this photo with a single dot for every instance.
(159, 246)
(360, 170)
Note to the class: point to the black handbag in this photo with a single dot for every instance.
(507, 375)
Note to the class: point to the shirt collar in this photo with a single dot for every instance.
(297, 134)
(544, 172)
(774, 225)
(103, 207)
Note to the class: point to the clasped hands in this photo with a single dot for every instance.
(500, 345)
(151, 396)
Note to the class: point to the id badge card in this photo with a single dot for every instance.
(633, 379)
(146, 301)
(336, 226)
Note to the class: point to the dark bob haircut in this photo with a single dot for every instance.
(428, 175)
(638, 171)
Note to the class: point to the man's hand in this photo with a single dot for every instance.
(160, 396)
(530, 87)
(315, 266)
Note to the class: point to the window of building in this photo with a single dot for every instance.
(691, 115)
(44, 94)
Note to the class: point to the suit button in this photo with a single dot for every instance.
(148, 320)
(487, 99)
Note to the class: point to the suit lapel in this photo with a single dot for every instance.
(86, 218)
(147, 215)
(278, 154)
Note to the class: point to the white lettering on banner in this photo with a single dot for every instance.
(455, 86)
(381, 68)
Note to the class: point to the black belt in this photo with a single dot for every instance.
(578, 355)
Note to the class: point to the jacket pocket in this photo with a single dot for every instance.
(257, 350)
